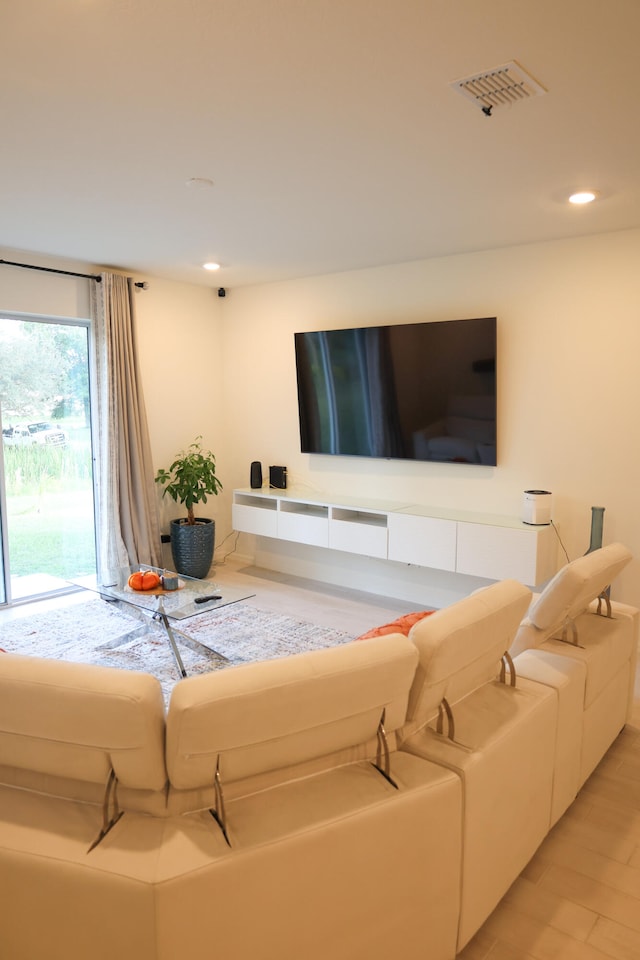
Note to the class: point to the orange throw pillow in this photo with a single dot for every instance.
(401, 625)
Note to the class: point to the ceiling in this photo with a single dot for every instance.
(328, 127)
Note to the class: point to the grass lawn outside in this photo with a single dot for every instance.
(52, 533)
(50, 518)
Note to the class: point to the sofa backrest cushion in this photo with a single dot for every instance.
(460, 647)
(569, 593)
(76, 721)
(267, 716)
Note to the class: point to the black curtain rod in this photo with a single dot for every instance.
(67, 273)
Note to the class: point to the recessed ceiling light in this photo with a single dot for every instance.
(584, 196)
(211, 266)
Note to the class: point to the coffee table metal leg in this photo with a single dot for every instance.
(172, 641)
(174, 647)
(205, 646)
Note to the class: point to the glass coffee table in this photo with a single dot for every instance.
(185, 598)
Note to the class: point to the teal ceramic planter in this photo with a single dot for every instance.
(192, 546)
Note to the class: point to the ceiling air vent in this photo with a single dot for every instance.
(500, 87)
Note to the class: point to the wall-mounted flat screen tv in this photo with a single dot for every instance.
(408, 391)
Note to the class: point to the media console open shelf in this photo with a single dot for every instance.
(480, 545)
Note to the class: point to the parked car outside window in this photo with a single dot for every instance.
(45, 432)
(16, 436)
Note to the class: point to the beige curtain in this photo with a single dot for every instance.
(128, 527)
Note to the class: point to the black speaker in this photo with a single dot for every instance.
(278, 477)
(256, 474)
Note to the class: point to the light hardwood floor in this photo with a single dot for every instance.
(579, 897)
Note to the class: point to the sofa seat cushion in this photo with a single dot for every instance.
(344, 847)
(336, 865)
(138, 848)
(604, 646)
(309, 801)
(60, 902)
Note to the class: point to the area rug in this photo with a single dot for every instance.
(100, 632)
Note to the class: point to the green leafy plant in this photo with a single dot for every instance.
(191, 478)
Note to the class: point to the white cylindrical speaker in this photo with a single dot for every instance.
(536, 507)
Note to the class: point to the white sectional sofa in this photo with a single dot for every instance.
(371, 800)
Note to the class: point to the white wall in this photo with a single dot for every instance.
(569, 393)
(181, 365)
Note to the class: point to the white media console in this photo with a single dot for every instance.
(480, 545)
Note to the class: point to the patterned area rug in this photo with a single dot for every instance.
(100, 632)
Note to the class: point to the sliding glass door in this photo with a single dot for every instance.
(46, 470)
(3, 532)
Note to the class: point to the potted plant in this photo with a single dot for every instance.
(190, 479)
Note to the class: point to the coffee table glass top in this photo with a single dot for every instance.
(189, 599)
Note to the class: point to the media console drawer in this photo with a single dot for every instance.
(424, 541)
(356, 531)
(304, 523)
(257, 515)
(503, 553)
